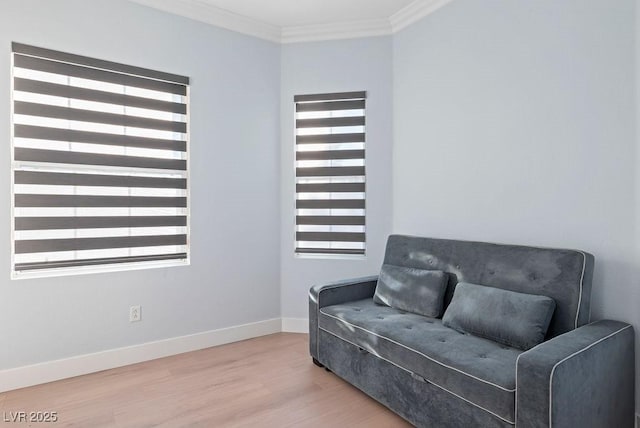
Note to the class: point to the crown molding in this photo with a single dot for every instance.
(209, 14)
(335, 31)
(202, 11)
(413, 12)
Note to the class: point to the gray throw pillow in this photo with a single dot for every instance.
(413, 290)
(515, 319)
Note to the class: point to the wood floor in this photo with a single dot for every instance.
(265, 382)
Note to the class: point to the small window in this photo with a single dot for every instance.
(99, 165)
(330, 173)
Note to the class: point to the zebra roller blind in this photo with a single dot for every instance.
(330, 173)
(99, 162)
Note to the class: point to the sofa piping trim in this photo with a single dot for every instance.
(420, 353)
(425, 379)
(584, 266)
(517, 364)
(571, 356)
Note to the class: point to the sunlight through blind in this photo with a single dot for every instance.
(330, 173)
(99, 162)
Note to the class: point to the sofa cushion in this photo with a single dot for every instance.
(476, 370)
(413, 290)
(515, 319)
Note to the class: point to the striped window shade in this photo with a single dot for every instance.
(330, 173)
(99, 164)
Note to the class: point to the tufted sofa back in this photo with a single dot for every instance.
(564, 275)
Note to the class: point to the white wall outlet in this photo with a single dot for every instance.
(135, 313)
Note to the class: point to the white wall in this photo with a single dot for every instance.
(234, 273)
(515, 122)
(336, 66)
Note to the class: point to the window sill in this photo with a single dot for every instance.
(331, 256)
(120, 267)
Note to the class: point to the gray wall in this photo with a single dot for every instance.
(234, 274)
(335, 66)
(515, 122)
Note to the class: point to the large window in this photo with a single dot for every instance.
(99, 164)
(330, 173)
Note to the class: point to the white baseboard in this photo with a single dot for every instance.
(295, 325)
(21, 377)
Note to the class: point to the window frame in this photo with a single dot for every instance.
(16, 165)
(329, 97)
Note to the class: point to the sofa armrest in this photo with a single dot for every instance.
(583, 378)
(333, 294)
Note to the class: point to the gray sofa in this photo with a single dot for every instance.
(581, 375)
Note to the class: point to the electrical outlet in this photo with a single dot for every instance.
(135, 313)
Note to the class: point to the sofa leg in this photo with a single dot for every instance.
(317, 363)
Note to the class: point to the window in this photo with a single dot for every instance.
(99, 164)
(330, 173)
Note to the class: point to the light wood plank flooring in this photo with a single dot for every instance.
(265, 382)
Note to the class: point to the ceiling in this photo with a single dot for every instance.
(291, 21)
(293, 13)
